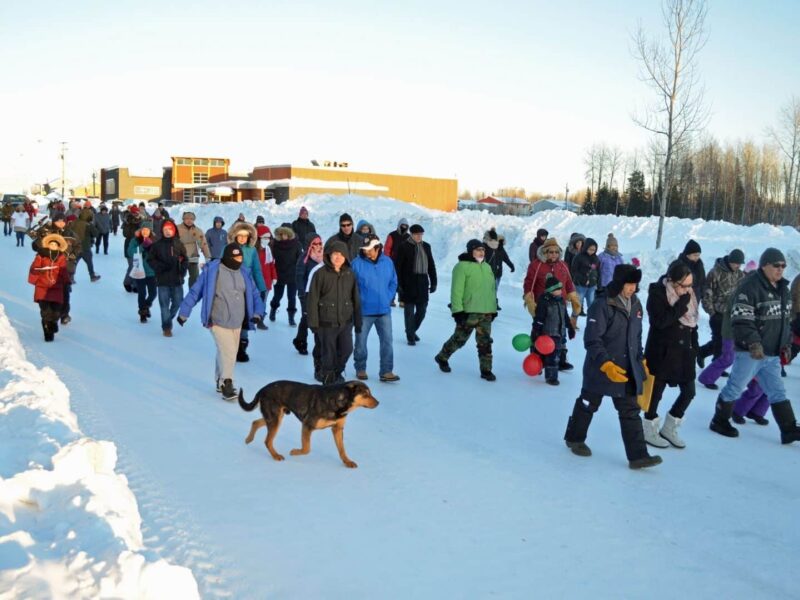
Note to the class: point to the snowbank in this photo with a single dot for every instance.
(69, 525)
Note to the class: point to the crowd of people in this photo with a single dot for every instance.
(347, 285)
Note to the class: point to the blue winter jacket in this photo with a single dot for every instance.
(377, 284)
(204, 288)
(217, 239)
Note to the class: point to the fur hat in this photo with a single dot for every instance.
(239, 226)
(548, 243)
(54, 237)
(623, 274)
(416, 228)
(736, 257)
(474, 245)
(284, 233)
(692, 247)
(771, 255)
(551, 283)
(611, 241)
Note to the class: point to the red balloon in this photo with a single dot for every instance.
(545, 345)
(532, 365)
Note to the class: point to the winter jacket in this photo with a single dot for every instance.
(333, 299)
(611, 334)
(795, 296)
(377, 284)
(135, 246)
(671, 348)
(585, 269)
(761, 313)
(20, 221)
(572, 251)
(414, 287)
(250, 262)
(131, 225)
(720, 284)
(533, 286)
(551, 316)
(8, 210)
(608, 262)
(167, 258)
(496, 255)
(394, 239)
(84, 229)
(116, 216)
(472, 288)
(204, 289)
(286, 252)
(302, 228)
(49, 276)
(217, 239)
(533, 249)
(698, 273)
(265, 258)
(352, 242)
(73, 250)
(102, 221)
(305, 264)
(192, 238)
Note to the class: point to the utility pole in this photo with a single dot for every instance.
(63, 179)
(566, 195)
(94, 181)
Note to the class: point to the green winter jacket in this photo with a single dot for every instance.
(472, 288)
(720, 284)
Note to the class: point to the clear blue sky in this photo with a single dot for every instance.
(504, 93)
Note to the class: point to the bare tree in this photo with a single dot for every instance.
(787, 137)
(670, 69)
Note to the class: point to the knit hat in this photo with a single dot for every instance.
(59, 216)
(492, 234)
(692, 247)
(134, 210)
(416, 228)
(622, 274)
(345, 218)
(303, 211)
(231, 251)
(736, 257)
(263, 230)
(611, 241)
(168, 226)
(551, 283)
(71, 218)
(542, 232)
(260, 220)
(750, 266)
(474, 245)
(771, 255)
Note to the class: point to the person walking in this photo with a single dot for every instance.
(217, 238)
(585, 273)
(392, 244)
(347, 236)
(303, 227)
(116, 217)
(287, 250)
(670, 351)
(194, 242)
(609, 259)
(473, 305)
(244, 234)
(141, 272)
(551, 320)
(5, 214)
(416, 279)
(58, 226)
(305, 265)
(533, 249)
(167, 258)
(334, 310)
(48, 274)
(760, 315)
(133, 219)
(85, 230)
(613, 367)
(267, 262)
(230, 301)
(377, 284)
(496, 255)
(20, 222)
(574, 247)
(103, 224)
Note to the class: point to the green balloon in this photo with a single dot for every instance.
(521, 342)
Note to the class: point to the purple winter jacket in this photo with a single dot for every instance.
(607, 264)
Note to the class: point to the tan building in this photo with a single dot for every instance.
(116, 183)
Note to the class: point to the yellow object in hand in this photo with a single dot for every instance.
(614, 372)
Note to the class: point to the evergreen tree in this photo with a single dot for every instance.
(638, 205)
(603, 203)
(588, 203)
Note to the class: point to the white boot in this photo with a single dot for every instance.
(651, 433)
(670, 431)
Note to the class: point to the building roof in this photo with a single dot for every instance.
(553, 204)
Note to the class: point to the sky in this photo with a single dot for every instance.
(503, 94)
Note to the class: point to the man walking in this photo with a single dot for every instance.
(416, 275)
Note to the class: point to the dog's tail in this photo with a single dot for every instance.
(245, 405)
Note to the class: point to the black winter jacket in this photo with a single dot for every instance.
(333, 298)
(352, 241)
(761, 313)
(301, 228)
(286, 253)
(585, 270)
(167, 258)
(551, 316)
(698, 270)
(413, 287)
(611, 334)
(495, 257)
(671, 348)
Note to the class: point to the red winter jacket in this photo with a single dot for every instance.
(49, 276)
(538, 270)
(268, 269)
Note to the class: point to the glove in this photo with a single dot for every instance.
(571, 334)
(492, 316)
(574, 321)
(511, 268)
(786, 355)
(181, 320)
(683, 301)
(614, 372)
(530, 303)
(460, 317)
(756, 351)
(432, 289)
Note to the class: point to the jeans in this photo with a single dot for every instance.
(291, 294)
(414, 314)
(20, 238)
(102, 237)
(767, 372)
(7, 229)
(169, 299)
(586, 292)
(383, 325)
(147, 292)
(86, 255)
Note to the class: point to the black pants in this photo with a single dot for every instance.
(146, 289)
(414, 314)
(302, 326)
(50, 311)
(714, 346)
(291, 296)
(682, 402)
(102, 237)
(65, 305)
(630, 424)
(336, 346)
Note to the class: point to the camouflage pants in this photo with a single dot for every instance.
(482, 324)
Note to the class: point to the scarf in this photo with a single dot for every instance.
(420, 258)
(690, 317)
(267, 254)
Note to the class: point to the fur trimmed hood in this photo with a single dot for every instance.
(239, 226)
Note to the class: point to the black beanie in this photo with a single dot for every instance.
(736, 257)
(771, 255)
(231, 250)
(59, 216)
(473, 244)
(691, 248)
(416, 228)
(542, 232)
(345, 218)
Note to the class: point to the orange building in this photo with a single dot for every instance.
(190, 174)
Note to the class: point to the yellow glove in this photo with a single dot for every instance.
(576, 303)
(613, 372)
(530, 303)
(646, 370)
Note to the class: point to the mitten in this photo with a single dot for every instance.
(181, 320)
(571, 334)
(614, 372)
(432, 289)
(756, 351)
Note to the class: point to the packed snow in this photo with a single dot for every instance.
(464, 487)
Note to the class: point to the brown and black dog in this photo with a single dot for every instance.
(316, 406)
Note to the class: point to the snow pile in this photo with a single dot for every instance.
(69, 525)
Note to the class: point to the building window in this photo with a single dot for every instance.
(184, 161)
(217, 163)
(200, 196)
(269, 195)
(187, 195)
(200, 178)
(200, 162)
(111, 187)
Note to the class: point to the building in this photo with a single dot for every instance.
(553, 204)
(189, 177)
(116, 183)
(504, 205)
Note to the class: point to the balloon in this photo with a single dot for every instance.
(521, 342)
(532, 365)
(545, 345)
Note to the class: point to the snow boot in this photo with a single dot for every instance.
(272, 311)
(720, 423)
(670, 431)
(757, 418)
(651, 435)
(300, 346)
(551, 381)
(630, 425)
(416, 337)
(488, 375)
(784, 417)
(228, 391)
(241, 355)
(65, 319)
(142, 316)
(444, 366)
(291, 318)
(711, 386)
(577, 428)
(48, 332)
(738, 419)
(261, 326)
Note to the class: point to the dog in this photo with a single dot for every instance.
(315, 406)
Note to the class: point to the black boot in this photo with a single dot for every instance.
(48, 332)
(300, 346)
(241, 355)
(577, 428)
(721, 422)
(784, 417)
(291, 318)
(329, 377)
(143, 316)
(630, 425)
(272, 311)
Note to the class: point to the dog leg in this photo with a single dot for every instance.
(272, 431)
(305, 440)
(257, 424)
(338, 438)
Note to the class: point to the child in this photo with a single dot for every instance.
(48, 273)
(551, 319)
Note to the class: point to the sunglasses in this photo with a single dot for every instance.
(779, 265)
(553, 252)
(345, 224)
(317, 244)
